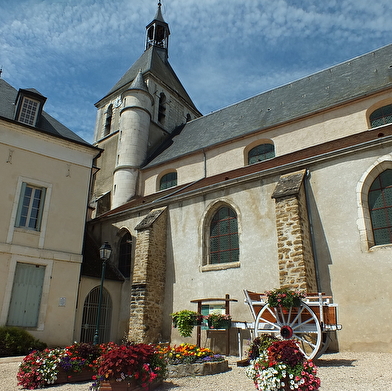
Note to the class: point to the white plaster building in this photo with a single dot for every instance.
(45, 179)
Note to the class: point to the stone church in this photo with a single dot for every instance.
(290, 187)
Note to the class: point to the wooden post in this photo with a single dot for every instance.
(227, 301)
(227, 310)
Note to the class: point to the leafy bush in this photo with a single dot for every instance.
(15, 341)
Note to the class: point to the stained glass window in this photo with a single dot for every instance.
(261, 152)
(168, 180)
(224, 243)
(380, 207)
(381, 116)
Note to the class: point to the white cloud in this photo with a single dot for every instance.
(74, 51)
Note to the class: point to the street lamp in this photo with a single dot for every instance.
(104, 253)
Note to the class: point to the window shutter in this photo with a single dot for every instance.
(26, 295)
(20, 205)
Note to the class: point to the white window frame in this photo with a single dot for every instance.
(45, 209)
(364, 223)
(30, 208)
(24, 116)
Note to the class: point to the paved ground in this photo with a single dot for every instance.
(338, 372)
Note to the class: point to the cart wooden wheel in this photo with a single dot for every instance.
(299, 323)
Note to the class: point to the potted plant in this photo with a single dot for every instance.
(39, 368)
(129, 367)
(280, 365)
(284, 297)
(185, 320)
(58, 365)
(77, 362)
(218, 321)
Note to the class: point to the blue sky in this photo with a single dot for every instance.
(74, 51)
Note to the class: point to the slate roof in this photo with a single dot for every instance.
(299, 159)
(151, 61)
(46, 124)
(352, 79)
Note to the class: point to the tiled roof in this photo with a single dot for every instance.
(352, 79)
(46, 124)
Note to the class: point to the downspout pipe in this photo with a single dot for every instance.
(312, 236)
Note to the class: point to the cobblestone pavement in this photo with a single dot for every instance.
(347, 371)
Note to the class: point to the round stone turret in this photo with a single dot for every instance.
(135, 120)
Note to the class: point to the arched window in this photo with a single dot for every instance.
(108, 121)
(380, 207)
(381, 116)
(162, 108)
(90, 313)
(168, 180)
(261, 152)
(224, 243)
(125, 255)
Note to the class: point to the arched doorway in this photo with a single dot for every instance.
(90, 312)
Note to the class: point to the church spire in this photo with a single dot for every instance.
(157, 33)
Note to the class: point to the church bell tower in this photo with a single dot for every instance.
(157, 34)
(136, 118)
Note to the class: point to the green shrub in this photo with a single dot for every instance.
(17, 342)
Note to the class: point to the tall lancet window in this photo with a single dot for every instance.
(108, 121)
(162, 108)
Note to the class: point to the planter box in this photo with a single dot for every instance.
(73, 377)
(113, 385)
(197, 369)
(219, 325)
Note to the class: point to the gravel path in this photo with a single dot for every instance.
(338, 372)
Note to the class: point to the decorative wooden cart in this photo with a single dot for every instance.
(310, 324)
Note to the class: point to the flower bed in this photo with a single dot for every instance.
(191, 360)
(111, 366)
(49, 366)
(137, 363)
(280, 365)
(130, 364)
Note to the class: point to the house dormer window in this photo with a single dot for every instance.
(29, 105)
(28, 112)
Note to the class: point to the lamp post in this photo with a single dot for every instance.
(104, 253)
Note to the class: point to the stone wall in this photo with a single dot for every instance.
(148, 280)
(295, 256)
